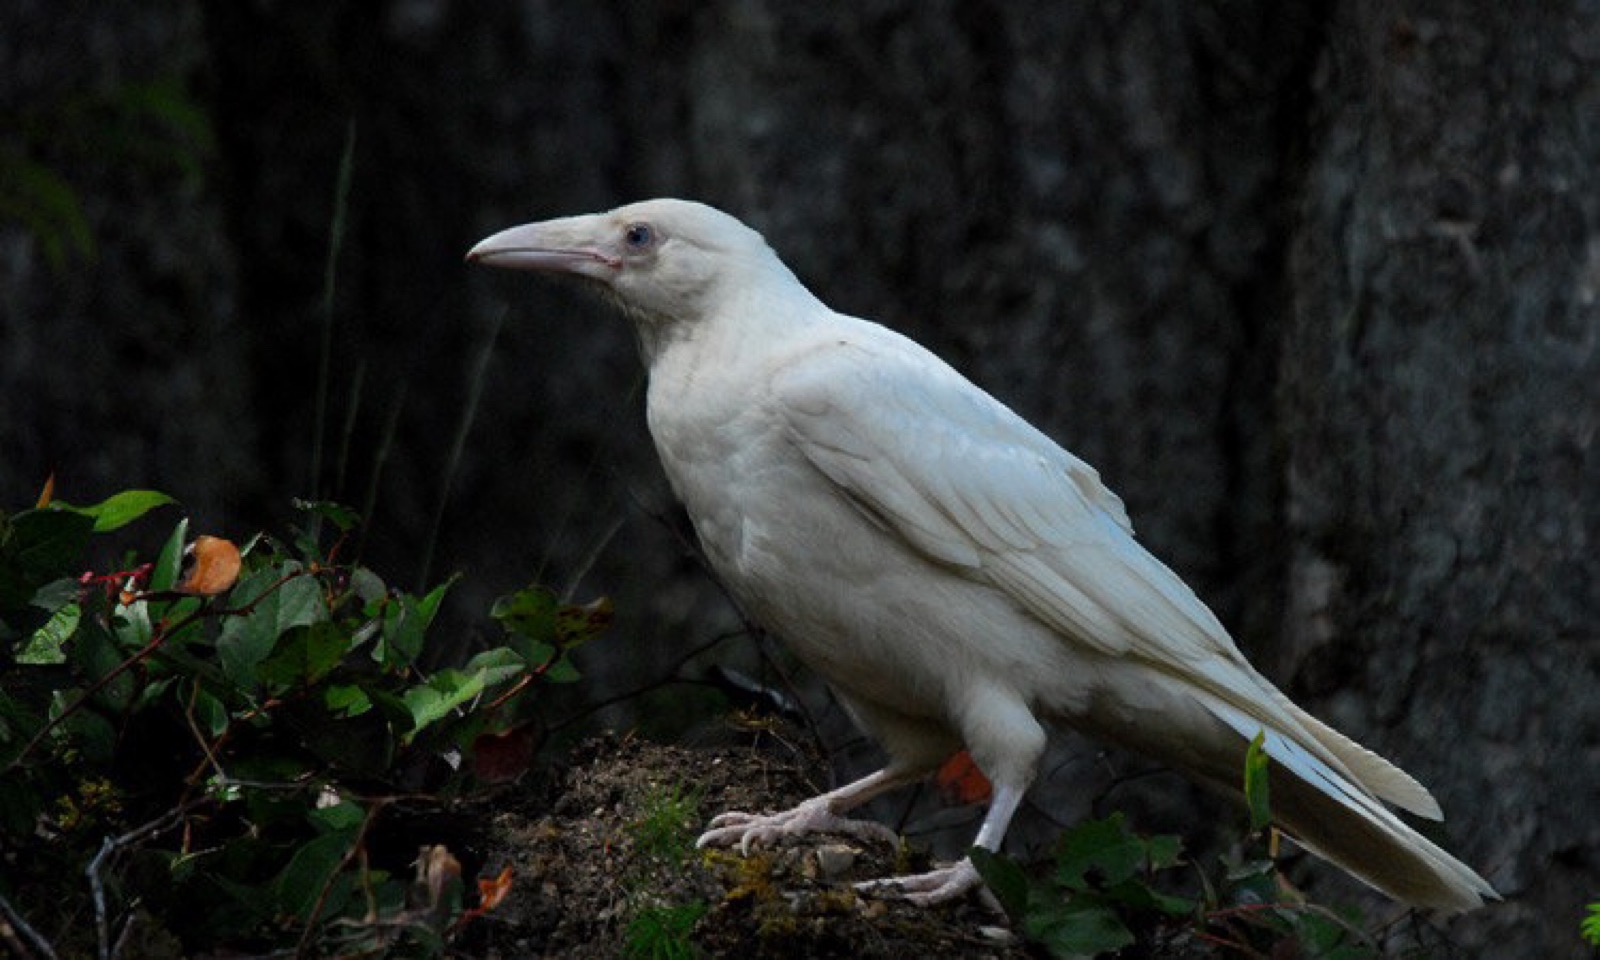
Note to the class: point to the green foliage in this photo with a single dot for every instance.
(662, 932)
(236, 748)
(1589, 927)
(1102, 884)
(1109, 888)
(1257, 799)
(667, 821)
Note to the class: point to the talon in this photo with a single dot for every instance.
(926, 889)
(744, 830)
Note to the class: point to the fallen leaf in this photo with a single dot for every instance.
(437, 868)
(213, 567)
(492, 892)
(961, 782)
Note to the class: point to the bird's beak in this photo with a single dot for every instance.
(568, 245)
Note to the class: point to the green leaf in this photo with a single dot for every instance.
(248, 639)
(1005, 880)
(345, 816)
(1164, 851)
(529, 616)
(49, 544)
(346, 700)
(366, 585)
(95, 653)
(1327, 937)
(210, 714)
(310, 871)
(89, 732)
(562, 671)
(56, 594)
(542, 629)
(119, 509)
(1251, 880)
(47, 643)
(1105, 846)
(1140, 897)
(434, 700)
(304, 655)
(1256, 795)
(1079, 929)
(497, 665)
(405, 625)
(169, 563)
(1589, 926)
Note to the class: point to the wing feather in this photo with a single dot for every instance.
(969, 484)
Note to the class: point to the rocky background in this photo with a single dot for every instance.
(1315, 285)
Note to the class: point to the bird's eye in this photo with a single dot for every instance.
(639, 236)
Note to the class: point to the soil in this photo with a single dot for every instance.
(605, 866)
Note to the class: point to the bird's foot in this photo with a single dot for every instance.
(936, 886)
(813, 816)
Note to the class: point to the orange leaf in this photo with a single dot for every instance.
(961, 782)
(492, 892)
(213, 567)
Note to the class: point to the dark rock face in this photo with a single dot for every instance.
(1316, 287)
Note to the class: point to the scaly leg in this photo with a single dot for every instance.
(949, 882)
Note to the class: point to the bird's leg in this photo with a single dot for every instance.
(956, 879)
(820, 814)
(1005, 742)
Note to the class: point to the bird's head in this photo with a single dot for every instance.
(668, 263)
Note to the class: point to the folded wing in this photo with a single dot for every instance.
(971, 485)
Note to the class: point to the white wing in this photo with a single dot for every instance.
(973, 486)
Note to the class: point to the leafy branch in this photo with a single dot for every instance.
(218, 732)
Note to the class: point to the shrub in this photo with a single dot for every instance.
(213, 737)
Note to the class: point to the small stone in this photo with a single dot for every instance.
(834, 860)
(997, 935)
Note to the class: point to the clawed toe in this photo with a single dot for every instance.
(736, 828)
(926, 889)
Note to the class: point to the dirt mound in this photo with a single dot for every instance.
(605, 866)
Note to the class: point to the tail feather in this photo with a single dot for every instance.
(1374, 772)
(1336, 814)
(1376, 847)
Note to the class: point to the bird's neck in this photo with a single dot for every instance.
(735, 330)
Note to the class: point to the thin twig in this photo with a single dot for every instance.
(200, 738)
(380, 459)
(17, 924)
(350, 856)
(589, 559)
(330, 273)
(458, 444)
(125, 937)
(670, 677)
(111, 845)
(352, 410)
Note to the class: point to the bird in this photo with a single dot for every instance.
(960, 580)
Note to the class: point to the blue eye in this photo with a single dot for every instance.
(638, 236)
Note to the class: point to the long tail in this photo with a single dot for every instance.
(1333, 810)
